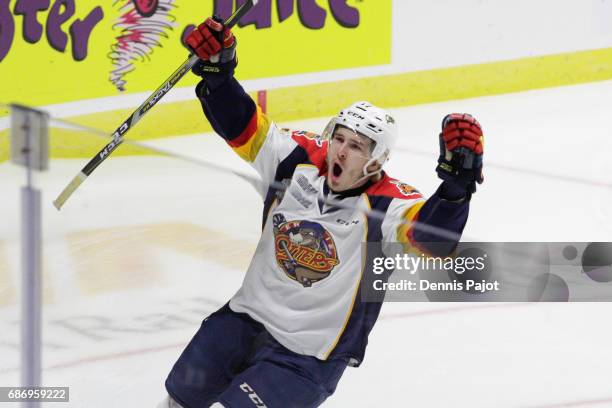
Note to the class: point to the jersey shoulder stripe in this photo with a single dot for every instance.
(390, 187)
(315, 147)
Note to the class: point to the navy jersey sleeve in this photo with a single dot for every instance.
(229, 109)
(417, 224)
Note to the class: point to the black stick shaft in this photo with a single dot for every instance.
(140, 112)
(155, 97)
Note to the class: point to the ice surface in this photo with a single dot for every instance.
(149, 246)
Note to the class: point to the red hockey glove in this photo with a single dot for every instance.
(460, 161)
(215, 45)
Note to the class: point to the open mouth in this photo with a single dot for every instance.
(336, 170)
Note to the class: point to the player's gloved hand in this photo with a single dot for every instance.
(460, 161)
(215, 45)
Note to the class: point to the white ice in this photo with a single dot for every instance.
(150, 245)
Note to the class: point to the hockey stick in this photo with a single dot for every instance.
(139, 113)
(256, 182)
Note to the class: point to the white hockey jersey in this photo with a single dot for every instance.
(303, 282)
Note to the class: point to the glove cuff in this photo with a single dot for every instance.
(450, 191)
(211, 83)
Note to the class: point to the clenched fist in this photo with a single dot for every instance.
(461, 150)
(215, 45)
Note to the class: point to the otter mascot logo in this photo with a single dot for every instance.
(304, 250)
(142, 25)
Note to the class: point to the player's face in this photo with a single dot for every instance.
(347, 154)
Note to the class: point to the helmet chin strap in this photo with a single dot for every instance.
(366, 174)
(374, 160)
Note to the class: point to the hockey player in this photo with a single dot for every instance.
(285, 338)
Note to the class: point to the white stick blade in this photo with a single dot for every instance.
(68, 190)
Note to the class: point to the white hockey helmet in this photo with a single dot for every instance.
(370, 121)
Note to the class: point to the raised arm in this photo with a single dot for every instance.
(228, 108)
(231, 111)
(460, 168)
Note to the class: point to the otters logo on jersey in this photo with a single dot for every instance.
(305, 251)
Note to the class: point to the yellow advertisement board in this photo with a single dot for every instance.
(54, 51)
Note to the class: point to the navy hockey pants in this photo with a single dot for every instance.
(232, 359)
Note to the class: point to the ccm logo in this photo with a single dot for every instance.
(252, 395)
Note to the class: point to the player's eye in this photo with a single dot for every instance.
(356, 146)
